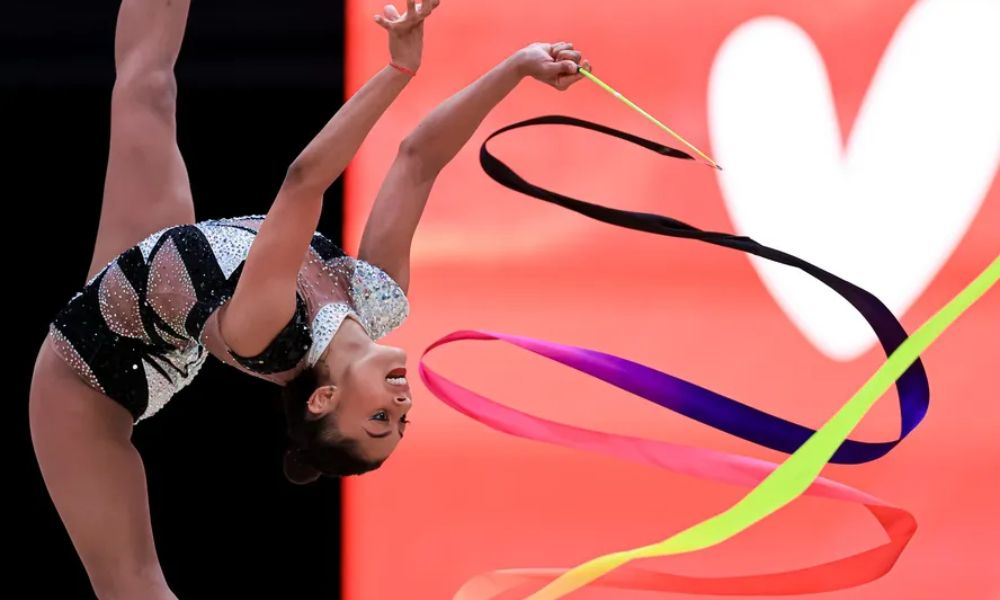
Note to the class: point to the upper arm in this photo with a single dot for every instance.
(395, 214)
(265, 298)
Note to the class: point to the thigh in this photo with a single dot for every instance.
(146, 187)
(96, 480)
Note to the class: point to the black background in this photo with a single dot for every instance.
(257, 79)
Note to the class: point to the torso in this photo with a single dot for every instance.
(143, 326)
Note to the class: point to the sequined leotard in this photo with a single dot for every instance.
(142, 328)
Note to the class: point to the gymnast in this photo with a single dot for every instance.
(266, 295)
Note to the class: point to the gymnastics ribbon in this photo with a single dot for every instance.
(776, 485)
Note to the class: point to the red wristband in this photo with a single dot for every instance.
(403, 69)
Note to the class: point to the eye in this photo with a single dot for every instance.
(380, 416)
(404, 420)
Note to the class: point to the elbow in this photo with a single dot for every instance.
(413, 152)
(300, 176)
(410, 148)
(297, 173)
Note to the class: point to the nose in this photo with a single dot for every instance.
(398, 353)
(402, 401)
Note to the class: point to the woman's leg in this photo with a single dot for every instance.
(82, 437)
(96, 480)
(146, 188)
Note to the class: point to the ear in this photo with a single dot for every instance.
(322, 401)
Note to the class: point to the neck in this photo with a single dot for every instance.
(350, 343)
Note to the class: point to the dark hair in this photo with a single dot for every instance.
(317, 447)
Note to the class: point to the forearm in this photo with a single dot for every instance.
(329, 153)
(446, 129)
(437, 139)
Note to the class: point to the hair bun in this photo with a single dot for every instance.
(297, 471)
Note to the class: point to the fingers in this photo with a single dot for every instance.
(427, 7)
(564, 52)
(556, 69)
(564, 68)
(390, 19)
(570, 74)
(570, 55)
(557, 73)
(558, 47)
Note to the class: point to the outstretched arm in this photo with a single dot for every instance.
(437, 139)
(264, 300)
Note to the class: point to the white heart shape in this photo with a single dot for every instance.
(886, 212)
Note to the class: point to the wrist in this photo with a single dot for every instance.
(518, 63)
(404, 67)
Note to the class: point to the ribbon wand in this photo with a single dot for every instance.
(639, 110)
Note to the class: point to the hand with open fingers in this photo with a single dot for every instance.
(555, 64)
(406, 31)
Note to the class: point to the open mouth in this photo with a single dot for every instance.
(397, 377)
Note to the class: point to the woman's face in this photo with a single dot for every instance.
(372, 400)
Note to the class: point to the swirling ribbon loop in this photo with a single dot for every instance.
(773, 485)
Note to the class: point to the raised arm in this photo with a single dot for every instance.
(264, 300)
(437, 139)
